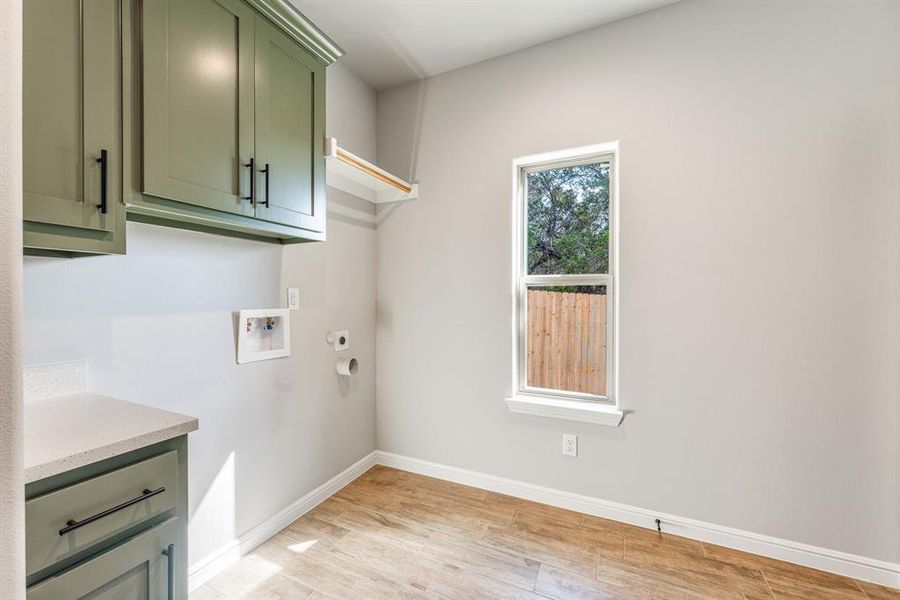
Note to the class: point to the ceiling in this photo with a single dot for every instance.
(389, 42)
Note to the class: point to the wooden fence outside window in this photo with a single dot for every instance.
(566, 342)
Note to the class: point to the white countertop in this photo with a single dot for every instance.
(68, 432)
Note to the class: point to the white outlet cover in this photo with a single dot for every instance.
(341, 340)
(293, 299)
(570, 444)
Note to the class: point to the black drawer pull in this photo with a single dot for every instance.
(267, 170)
(72, 524)
(252, 196)
(104, 180)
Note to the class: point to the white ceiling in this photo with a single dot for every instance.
(389, 42)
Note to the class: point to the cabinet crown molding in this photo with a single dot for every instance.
(295, 24)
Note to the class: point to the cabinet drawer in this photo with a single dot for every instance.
(66, 521)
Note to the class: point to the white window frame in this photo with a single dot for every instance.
(570, 405)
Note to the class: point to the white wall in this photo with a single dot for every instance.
(760, 339)
(351, 115)
(157, 327)
(12, 511)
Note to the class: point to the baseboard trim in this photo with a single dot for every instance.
(833, 561)
(216, 562)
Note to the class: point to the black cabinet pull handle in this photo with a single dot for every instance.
(104, 180)
(72, 524)
(169, 553)
(267, 170)
(252, 196)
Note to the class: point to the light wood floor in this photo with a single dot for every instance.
(393, 534)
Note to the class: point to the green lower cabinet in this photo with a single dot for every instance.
(114, 529)
(139, 569)
(72, 126)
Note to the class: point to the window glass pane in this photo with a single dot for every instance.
(566, 338)
(568, 220)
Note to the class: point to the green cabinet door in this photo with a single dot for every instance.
(198, 102)
(290, 120)
(72, 116)
(137, 570)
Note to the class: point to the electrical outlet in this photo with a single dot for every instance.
(293, 299)
(570, 444)
(341, 341)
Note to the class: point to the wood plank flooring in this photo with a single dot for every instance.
(393, 534)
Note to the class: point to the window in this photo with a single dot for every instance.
(564, 283)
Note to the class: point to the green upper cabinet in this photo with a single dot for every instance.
(198, 102)
(290, 100)
(201, 114)
(233, 118)
(72, 126)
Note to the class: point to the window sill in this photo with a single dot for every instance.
(570, 410)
